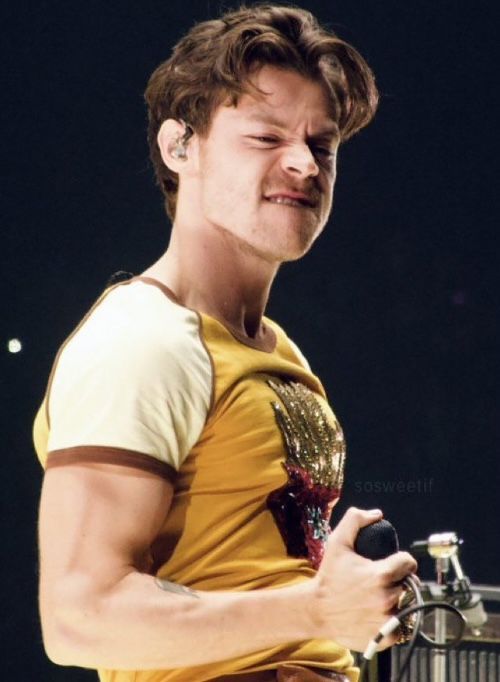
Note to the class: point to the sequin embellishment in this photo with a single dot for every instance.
(315, 465)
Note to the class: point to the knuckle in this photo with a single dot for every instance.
(409, 561)
(385, 576)
(353, 511)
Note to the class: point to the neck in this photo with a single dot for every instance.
(212, 272)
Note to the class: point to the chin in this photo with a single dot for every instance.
(297, 254)
(293, 252)
(302, 242)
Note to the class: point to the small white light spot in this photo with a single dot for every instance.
(14, 346)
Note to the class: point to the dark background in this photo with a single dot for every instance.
(395, 306)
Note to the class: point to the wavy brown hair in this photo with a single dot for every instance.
(212, 63)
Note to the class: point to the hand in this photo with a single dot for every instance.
(354, 595)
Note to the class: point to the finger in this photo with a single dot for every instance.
(416, 579)
(392, 597)
(384, 602)
(396, 567)
(353, 520)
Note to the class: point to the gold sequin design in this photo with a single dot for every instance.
(311, 441)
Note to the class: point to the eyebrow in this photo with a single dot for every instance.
(331, 131)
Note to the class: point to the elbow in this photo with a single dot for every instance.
(66, 625)
(57, 652)
(61, 647)
(66, 645)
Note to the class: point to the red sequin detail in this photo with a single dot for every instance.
(301, 510)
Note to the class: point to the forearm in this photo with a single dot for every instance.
(138, 625)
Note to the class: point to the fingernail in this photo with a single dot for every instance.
(374, 512)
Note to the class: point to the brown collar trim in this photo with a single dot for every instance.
(267, 343)
(156, 283)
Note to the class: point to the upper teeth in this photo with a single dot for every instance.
(285, 200)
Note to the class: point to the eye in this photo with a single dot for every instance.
(323, 151)
(325, 157)
(265, 139)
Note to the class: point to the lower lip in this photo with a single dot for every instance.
(297, 205)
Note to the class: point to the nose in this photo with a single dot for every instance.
(299, 161)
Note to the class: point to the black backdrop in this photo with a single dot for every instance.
(395, 306)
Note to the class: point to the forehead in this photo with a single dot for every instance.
(288, 98)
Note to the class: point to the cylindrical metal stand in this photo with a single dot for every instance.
(439, 655)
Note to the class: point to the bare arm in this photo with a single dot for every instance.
(100, 608)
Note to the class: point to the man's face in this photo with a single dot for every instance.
(267, 167)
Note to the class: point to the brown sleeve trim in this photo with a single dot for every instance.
(103, 454)
(212, 363)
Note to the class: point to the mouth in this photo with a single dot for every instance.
(297, 202)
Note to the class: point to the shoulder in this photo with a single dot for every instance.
(137, 313)
(137, 326)
(134, 374)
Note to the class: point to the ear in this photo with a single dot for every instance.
(169, 136)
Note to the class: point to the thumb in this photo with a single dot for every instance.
(354, 519)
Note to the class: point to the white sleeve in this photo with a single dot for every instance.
(134, 376)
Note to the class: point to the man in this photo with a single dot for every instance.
(192, 461)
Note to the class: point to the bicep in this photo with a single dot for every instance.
(96, 524)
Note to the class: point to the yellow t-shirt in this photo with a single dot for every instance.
(244, 433)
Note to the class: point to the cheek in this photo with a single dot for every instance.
(227, 193)
(234, 180)
(328, 187)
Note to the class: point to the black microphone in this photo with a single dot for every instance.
(377, 541)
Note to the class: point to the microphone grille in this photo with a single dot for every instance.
(377, 541)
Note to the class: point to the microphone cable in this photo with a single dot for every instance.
(376, 542)
(397, 620)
